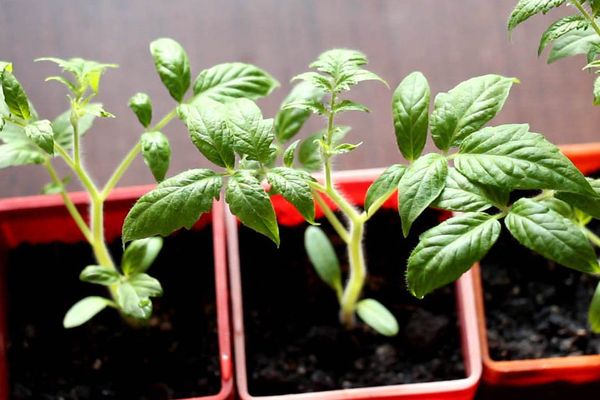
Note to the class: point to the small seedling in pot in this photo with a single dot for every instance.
(490, 162)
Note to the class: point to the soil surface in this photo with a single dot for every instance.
(175, 356)
(293, 336)
(535, 308)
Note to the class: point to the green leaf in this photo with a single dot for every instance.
(410, 106)
(323, 258)
(573, 43)
(309, 155)
(562, 27)
(99, 275)
(234, 80)
(141, 105)
(384, 185)
(509, 156)
(344, 148)
(173, 67)
(594, 311)
(175, 203)
(131, 303)
(251, 204)
(145, 285)
(15, 96)
(289, 121)
(309, 105)
(528, 8)
(84, 310)
(54, 188)
(374, 314)
(467, 108)
(63, 130)
(157, 153)
(349, 105)
(292, 184)
(550, 234)
(140, 254)
(86, 72)
(448, 250)
(597, 91)
(420, 185)
(315, 79)
(587, 204)
(288, 154)
(460, 194)
(4, 65)
(96, 110)
(206, 123)
(253, 135)
(19, 153)
(559, 207)
(40, 133)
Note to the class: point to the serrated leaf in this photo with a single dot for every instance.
(311, 105)
(173, 66)
(100, 275)
(587, 204)
(573, 43)
(420, 185)
(559, 207)
(141, 105)
(343, 65)
(84, 310)
(140, 254)
(293, 185)
(344, 148)
(460, 194)
(131, 303)
(227, 81)
(145, 285)
(175, 203)
(288, 122)
(349, 105)
(309, 155)
(410, 106)
(323, 258)
(594, 311)
(467, 108)
(315, 79)
(385, 184)
(510, 156)
(374, 314)
(448, 250)
(19, 153)
(550, 234)
(288, 154)
(63, 130)
(560, 28)
(250, 203)
(157, 153)
(252, 135)
(14, 96)
(526, 9)
(206, 122)
(40, 133)
(86, 72)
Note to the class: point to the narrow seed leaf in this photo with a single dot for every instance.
(573, 43)
(323, 258)
(550, 234)
(562, 27)
(467, 108)
(15, 96)
(374, 314)
(141, 105)
(448, 250)
(84, 310)
(526, 9)
(289, 121)
(40, 133)
(385, 185)
(420, 185)
(157, 153)
(460, 194)
(140, 254)
(251, 204)
(145, 285)
(292, 184)
(594, 311)
(173, 66)
(509, 156)
(175, 203)
(99, 275)
(587, 204)
(410, 106)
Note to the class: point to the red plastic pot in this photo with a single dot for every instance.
(44, 219)
(579, 369)
(355, 184)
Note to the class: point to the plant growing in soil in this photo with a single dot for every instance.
(490, 162)
(28, 139)
(569, 36)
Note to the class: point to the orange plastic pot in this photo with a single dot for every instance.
(44, 219)
(355, 184)
(578, 369)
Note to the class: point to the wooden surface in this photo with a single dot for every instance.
(449, 40)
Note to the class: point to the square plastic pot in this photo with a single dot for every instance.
(355, 184)
(44, 219)
(578, 369)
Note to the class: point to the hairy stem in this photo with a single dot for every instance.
(328, 140)
(123, 166)
(331, 217)
(358, 274)
(592, 237)
(586, 15)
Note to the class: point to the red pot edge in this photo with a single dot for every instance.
(576, 369)
(452, 389)
(129, 195)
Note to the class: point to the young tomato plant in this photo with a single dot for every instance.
(28, 139)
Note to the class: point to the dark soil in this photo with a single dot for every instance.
(535, 308)
(175, 356)
(294, 340)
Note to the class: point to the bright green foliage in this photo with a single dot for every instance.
(87, 74)
(289, 121)
(40, 133)
(587, 204)
(561, 28)
(63, 130)
(141, 105)
(84, 310)
(252, 135)
(374, 314)
(461, 194)
(157, 153)
(173, 67)
(100, 275)
(15, 97)
(384, 186)
(528, 8)
(139, 255)
(293, 185)
(573, 43)
(594, 311)
(323, 258)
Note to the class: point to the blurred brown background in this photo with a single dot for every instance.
(448, 40)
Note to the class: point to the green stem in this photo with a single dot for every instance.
(76, 150)
(85, 179)
(358, 274)
(328, 139)
(586, 15)
(331, 217)
(123, 166)
(592, 237)
(164, 121)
